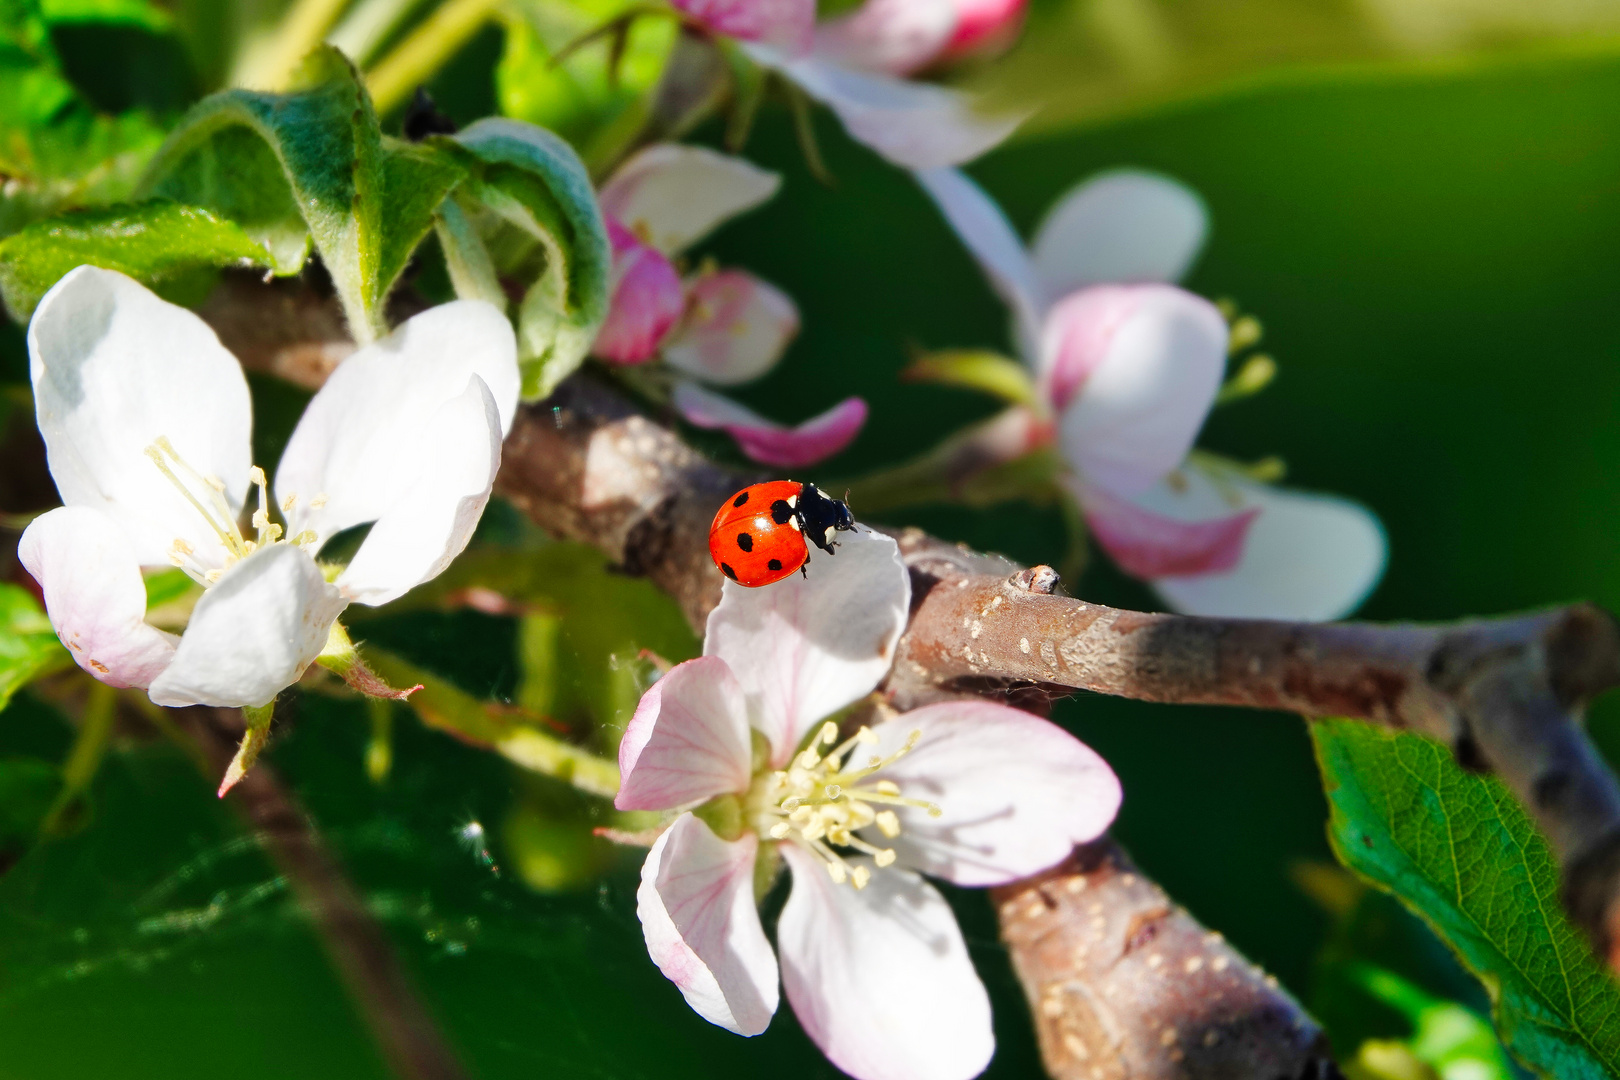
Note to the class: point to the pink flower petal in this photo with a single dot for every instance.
(86, 567)
(895, 37)
(674, 195)
(648, 299)
(696, 905)
(807, 646)
(1134, 370)
(1308, 556)
(880, 978)
(688, 740)
(1149, 545)
(736, 328)
(985, 26)
(765, 441)
(783, 24)
(1016, 792)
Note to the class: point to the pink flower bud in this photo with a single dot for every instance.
(784, 24)
(648, 299)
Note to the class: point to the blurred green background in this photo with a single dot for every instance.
(1432, 251)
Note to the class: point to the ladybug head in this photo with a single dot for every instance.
(822, 517)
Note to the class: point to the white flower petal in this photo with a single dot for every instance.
(696, 904)
(94, 594)
(1016, 792)
(1146, 362)
(989, 237)
(1121, 226)
(253, 633)
(880, 978)
(766, 441)
(1148, 545)
(1307, 556)
(673, 195)
(736, 328)
(914, 125)
(114, 370)
(688, 741)
(433, 519)
(807, 646)
(895, 37)
(359, 443)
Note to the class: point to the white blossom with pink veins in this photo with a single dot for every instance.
(147, 428)
(870, 955)
(914, 125)
(718, 327)
(1127, 367)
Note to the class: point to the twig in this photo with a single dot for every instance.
(1505, 694)
(405, 1032)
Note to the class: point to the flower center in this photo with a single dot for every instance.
(206, 494)
(819, 804)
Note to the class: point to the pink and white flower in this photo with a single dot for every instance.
(901, 37)
(914, 125)
(1126, 367)
(738, 744)
(147, 427)
(718, 327)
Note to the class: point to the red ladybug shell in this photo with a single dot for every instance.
(752, 545)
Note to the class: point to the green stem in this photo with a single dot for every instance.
(271, 65)
(416, 59)
(85, 757)
(512, 733)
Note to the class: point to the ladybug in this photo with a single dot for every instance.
(759, 534)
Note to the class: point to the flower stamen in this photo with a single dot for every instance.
(820, 806)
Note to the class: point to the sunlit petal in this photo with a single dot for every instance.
(672, 195)
(1120, 227)
(766, 441)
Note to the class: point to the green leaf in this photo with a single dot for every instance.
(530, 183)
(28, 646)
(137, 13)
(1457, 849)
(311, 165)
(159, 243)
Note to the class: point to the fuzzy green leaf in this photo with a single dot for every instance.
(307, 166)
(28, 645)
(159, 243)
(532, 187)
(1457, 849)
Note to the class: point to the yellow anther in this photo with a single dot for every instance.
(829, 733)
(866, 736)
(884, 857)
(888, 823)
(887, 787)
(288, 502)
(859, 876)
(780, 830)
(213, 576)
(318, 501)
(836, 871)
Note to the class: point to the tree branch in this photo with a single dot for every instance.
(400, 1024)
(587, 466)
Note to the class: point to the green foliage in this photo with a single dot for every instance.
(1461, 853)
(160, 243)
(56, 149)
(28, 646)
(597, 96)
(1448, 1040)
(534, 213)
(311, 165)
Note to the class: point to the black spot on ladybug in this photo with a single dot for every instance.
(740, 499)
(745, 541)
(725, 568)
(781, 511)
(775, 564)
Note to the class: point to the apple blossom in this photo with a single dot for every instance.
(739, 746)
(914, 125)
(146, 421)
(899, 37)
(1126, 367)
(720, 327)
